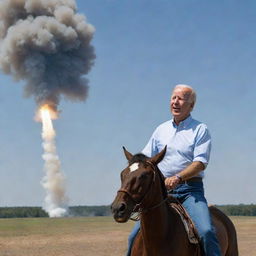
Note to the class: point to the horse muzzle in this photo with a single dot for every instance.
(121, 209)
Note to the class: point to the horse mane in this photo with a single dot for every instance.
(162, 178)
(141, 158)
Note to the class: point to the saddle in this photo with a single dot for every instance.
(186, 220)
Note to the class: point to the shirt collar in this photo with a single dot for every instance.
(183, 123)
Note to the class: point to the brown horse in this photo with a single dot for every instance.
(162, 231)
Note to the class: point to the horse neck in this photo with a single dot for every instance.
(160, 219)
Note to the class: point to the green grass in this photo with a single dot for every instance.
(54, 226)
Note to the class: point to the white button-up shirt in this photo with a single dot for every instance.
(188, 142)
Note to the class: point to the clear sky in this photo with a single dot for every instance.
(143, 48)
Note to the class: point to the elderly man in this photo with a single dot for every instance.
(188, 150)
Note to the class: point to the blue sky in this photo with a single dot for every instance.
(143, 49)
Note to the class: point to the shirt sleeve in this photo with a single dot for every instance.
(202, 148)
(151, 148)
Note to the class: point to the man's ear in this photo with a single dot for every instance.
(192, 105)
(158, 157)
(128, 155)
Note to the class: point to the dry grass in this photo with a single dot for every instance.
(246, 233)
(98, 236)
(62, 237)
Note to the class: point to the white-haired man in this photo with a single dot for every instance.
(188, 150)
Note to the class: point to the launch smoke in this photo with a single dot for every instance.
(56, 202)
(46, 43)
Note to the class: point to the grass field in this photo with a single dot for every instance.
(96, 236)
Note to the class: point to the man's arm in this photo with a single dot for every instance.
(190, 171)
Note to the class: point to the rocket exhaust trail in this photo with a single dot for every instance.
(56, 201)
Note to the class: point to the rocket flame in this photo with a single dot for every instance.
(48, 131)
(46, 112)
(54, 180)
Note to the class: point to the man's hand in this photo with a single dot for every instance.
(171, 182)
(190, 171)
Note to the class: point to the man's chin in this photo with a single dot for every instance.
(176, 114)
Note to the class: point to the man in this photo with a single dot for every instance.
(188, 150)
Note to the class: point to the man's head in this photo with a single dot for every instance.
(183, 99)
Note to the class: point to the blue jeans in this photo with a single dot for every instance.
(191, 195)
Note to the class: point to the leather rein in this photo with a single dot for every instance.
(138, 205)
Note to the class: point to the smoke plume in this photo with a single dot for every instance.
(56, 201)
(46, 43)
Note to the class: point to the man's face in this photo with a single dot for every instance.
(180, 104)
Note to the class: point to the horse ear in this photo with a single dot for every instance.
(128, 155)
(158, 157)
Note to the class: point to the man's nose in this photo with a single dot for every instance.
(175, 101)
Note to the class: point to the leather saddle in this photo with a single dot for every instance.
(186, 220)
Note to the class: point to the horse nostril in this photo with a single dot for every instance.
(122, 207)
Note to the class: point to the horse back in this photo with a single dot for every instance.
(225, 231)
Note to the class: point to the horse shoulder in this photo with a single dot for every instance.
(138, 247)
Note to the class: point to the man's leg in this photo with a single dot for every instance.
(132, 236)
(196, 206)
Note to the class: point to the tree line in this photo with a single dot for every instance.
(104, 210)
(34, 212)
(239, 210)
(22, 212)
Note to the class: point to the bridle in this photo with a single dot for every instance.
(138, 205)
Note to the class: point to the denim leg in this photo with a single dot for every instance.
(196, 205)
(132, 236)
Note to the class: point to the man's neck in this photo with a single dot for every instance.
(178, 121)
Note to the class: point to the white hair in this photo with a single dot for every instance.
(192, 96)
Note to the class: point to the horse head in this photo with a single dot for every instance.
(137, 180)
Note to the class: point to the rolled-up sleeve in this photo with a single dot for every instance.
(202, 147)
